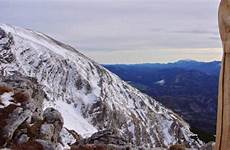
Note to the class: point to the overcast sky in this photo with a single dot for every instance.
(124, 31)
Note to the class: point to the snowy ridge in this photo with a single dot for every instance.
(89, 97)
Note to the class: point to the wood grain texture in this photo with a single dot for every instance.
(223, 115)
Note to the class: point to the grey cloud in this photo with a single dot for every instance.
(110, 25)
(197, 31)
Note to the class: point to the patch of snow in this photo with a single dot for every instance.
(3, 41)
(167, 137)
(67, 138)
(6, 99)
(73, 119)
(131, 129)
(161, 82)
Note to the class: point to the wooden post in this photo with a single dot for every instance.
(223, 114)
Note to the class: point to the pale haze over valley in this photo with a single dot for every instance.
(124, 31)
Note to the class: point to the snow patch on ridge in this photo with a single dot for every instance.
(161, 82)
(73, 119)
(37, 38)
(6, 98)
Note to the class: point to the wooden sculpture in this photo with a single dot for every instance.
(223, 115)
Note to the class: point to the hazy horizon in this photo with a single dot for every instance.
(175, 61)
(124, 31)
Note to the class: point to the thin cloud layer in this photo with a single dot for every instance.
(101, 27)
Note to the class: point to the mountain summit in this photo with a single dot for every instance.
(89, 97)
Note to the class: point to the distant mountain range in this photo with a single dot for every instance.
(188, 87)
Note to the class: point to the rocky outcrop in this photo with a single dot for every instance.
(23, 122)
(104, 140)
(208, 146)
(106, 137)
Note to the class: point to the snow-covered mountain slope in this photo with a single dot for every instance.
(89, 97)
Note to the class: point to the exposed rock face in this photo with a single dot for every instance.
(89, 97)
(208, 146)
(104, 140)
(52, 126)
(106, 137)
(17, 106)
(23, 122)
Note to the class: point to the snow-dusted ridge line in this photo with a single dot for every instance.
(35, 37)
(89, 97)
